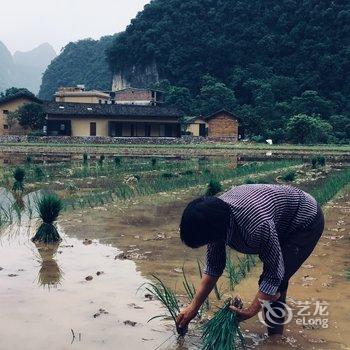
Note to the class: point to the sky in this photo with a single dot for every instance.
(25, 24)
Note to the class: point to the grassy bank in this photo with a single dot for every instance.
(30, 147)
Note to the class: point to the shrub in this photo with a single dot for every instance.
(18, 175)
(318, 161)
(169, 175)
(117, 161)
(289, 176)
(48, 207)
(214, 187)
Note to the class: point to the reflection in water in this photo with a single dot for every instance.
(50, 274)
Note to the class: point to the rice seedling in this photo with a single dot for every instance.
(101, 160)
(18, 175)
(214, 187)
(168, 299)
(28, 160)
(190, 289)
(331, 186)
(85, 159)
(48, 206)
(222, 332)
(39, 173)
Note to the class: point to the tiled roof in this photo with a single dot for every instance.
(109, 110)
(18, 95)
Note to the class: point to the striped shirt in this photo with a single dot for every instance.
(262, 216)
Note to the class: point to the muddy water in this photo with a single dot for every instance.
(44, 294)
(148, 233)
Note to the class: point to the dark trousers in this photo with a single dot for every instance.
(295, 250)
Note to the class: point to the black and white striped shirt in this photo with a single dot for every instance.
(262, 216)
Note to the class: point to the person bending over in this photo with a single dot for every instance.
(281, 224)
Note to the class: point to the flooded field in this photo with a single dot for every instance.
(88, 292)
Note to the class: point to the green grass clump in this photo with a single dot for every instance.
(48, 207)
(318, 161)
(222, 332)
(18, 175)
(289, 176)
(214, 187)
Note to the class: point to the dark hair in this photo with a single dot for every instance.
(205, 220)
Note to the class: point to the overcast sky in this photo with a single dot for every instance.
(25, 24)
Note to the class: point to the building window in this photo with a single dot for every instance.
(5, 111)
(62, 127)
(100, 101)
(6, 126)
(93, 129)
(153, 94)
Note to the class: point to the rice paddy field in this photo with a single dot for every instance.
(115, 274)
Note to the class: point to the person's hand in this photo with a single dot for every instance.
(243, 314)
(255, 306)
(184, 318)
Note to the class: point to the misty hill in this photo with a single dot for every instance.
(6, 67)
(40, 57)
(81, 62)
(262, 58)
(24, 69)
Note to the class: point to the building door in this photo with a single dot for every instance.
(202, 131)
(93, 129)
(168, 130)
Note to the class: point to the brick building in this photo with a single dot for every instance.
(133, 96)
(221, 124)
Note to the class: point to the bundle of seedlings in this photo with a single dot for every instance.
(48, 206)
(18, 175)
(85, 159)
(222, 332)
(101, 160)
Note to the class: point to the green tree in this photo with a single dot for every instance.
(31, 116)
(341, 126)
(215, 96)
(14, 91)
(303, 128)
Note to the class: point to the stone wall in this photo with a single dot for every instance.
(112, 140)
